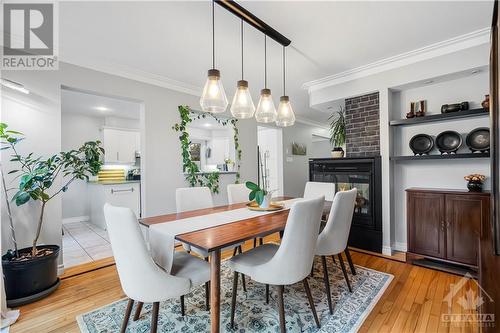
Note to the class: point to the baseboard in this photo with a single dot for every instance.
(60, 269)
(387, 250)
(76, 219)
(400, 246)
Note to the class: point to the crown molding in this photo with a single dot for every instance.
(310, 122)
(462, 42)
(136, 74)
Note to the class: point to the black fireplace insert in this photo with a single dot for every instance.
(364, 174)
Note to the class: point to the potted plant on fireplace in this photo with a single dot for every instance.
(337, 132)
(31, 273)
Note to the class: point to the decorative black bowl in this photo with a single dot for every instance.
(421, 144)
(478, 140)
(448, 142)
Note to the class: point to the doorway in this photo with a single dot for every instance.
(117, 123)
(270, 142)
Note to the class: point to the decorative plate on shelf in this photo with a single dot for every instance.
(478, 139)
(421, 144)
(448, 142)
(272, 207)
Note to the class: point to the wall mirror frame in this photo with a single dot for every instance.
(190, 151)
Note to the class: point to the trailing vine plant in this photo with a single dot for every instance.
(192, 173)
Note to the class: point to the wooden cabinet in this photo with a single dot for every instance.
(120, 145)
(446, 224)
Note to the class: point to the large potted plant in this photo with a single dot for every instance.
(337, 132)
(31, 273)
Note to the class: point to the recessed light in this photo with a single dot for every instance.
(14, 85)
(207, 125)
(428, 81)
(101, 108)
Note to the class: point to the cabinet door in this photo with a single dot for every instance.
(111, 145)
(463, 221)
(120, 146)
(128, 146)
(425, 214)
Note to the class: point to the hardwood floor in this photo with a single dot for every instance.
(413, 302)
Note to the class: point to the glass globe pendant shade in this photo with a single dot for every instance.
(266, 111)
(214, 98)
(285, 117)
(242, 106)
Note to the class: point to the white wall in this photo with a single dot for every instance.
(270, 140)
(38, 116)
(296, 168)
(321, 148)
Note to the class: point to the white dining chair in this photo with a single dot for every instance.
(287, 263)
(141, 279)
(237, 193)
(333, 239)
(194, 198)
(317, 189)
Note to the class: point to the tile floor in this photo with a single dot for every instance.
(84, 242)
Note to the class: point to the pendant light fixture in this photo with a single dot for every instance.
(242, 106)
(285, 117)
(266, 111)
(213, 98)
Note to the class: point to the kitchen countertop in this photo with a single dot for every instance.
(114, 182)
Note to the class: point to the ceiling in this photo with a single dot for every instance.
(172, 39)
(93, 105)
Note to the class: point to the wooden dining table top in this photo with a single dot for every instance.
(221, 236)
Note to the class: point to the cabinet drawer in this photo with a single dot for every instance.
(123, 195)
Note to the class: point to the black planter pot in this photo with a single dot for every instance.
(30, 280)
(475, 186)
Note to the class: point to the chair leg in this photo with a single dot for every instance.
(312, 269)
(261, 240)
(137, 313)
(243, 282)
(235, 251)
(130, 304)
(327, 284)
(182, 306)
(311, 302)
(349, 260)
(254, 243)
(154, 317)
(281, 308)
(267, 294)
(345, 272)
(233, 299)
(207, 296)
(334, 261)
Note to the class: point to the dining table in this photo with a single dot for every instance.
(213, 239)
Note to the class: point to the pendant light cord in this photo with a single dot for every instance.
(242, 49)
(265, 61)
(284, 72)
(213, 34)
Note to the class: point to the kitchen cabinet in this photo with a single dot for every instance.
(122, 194)
(446, 224)
(120, 145)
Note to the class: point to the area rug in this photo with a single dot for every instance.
(252, 313)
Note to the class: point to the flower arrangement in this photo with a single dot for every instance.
(475, 182)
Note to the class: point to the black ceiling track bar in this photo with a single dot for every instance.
(232, 7)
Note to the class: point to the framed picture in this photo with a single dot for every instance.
(299, 149)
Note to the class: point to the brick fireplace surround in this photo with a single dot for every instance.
(362, 125)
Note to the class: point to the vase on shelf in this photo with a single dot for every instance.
(475, 186)
(337, 152)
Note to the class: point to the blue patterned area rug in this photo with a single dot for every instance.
(252, 312)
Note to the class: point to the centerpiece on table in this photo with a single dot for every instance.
(475, 182)
(260, 197)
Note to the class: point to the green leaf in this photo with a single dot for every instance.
(21, 198)
(251, 196)
(259, 197)
(252, 186)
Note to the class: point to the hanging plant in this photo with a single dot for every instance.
(192, 172)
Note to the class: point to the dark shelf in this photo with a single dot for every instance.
(440, 157)
(441, 117)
